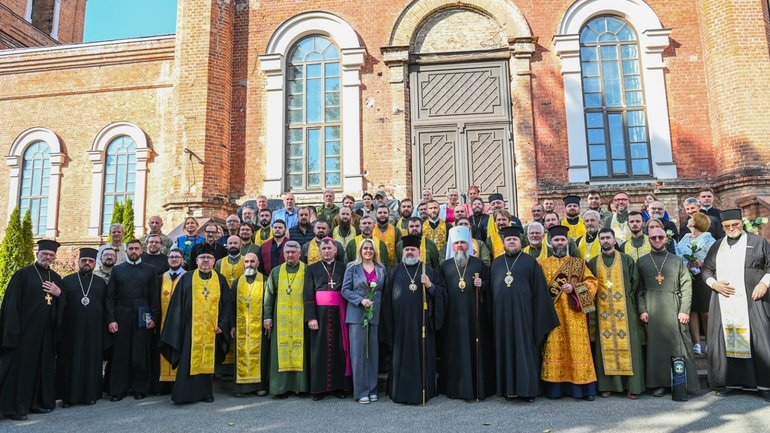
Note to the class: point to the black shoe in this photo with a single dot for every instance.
(588, 398)
(726, 392)
(765, 394)
(65, 404)
(527, 399)
(40, 410)
(283, 396)
(17, 417)
(117, 397)
(341, 395)
(209, 400)
(139, 396)
(318, 397)
(91, 402)
(659, 392)
(239, 394)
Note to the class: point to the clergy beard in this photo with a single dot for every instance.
(344, 225)
(249, 272)
(607, 247)
(461, 258)
(512, 250)
(411, 261)
(175, 269)
(559, 251)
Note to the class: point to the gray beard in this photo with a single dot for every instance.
(559, 252)
(249, 272)
(411, 261)
(461, 259)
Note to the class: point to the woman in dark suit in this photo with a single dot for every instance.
(362, 288)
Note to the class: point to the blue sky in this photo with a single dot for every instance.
(119, 19)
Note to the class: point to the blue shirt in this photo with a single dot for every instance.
(291, 219)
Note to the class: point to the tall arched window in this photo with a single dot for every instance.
(35, 177)
(615, 114)
(119, 176)
(313, 113)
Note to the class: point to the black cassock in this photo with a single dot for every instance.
(328, 357)
(466, 371)
(132, 289)
(160, 263)
(29, 327)
(523, 315)
(754, 371)
(401, 320)
(176, 339)
(79, 361)
(157, 261)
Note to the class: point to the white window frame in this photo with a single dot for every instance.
(57, 157)
(97, 156)
(653, 39)
(273, 65)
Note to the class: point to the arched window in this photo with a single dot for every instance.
(313, 112)
(615, 115)
(119, 176)
(35, 177)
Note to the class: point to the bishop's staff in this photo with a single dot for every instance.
(424, 309)
(478, 357)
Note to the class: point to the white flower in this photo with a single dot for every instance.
(373, 285)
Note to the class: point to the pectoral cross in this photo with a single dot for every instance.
(48, 298)
(206, 293)
(332, 284)
(659, 278)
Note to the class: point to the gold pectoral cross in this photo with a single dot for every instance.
(659, 278)
(48, 298)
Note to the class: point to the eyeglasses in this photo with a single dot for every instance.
(656, 238)
(732, 226)
(210, 233)
(175, 257)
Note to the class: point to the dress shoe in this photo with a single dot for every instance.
(65, 404)
(527, 399)
(341, 395)
(40, 410)
(17, 417)
(283, 396)
(765, 394)
(632, 396)
(606, 394)
(510, 397)
(209, 400)
(117, 397)
(588, 398)
(726, 392)
(261, 393)
(659, 392)
(318, 397)
(91, 402)
(139, 396)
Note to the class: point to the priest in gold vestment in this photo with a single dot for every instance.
(192, 339)
(568, 366)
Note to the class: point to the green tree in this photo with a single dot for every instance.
(117, 218)
(128, 220)
(10, 260)
(26, 254)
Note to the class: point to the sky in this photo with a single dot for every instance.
(120, 19)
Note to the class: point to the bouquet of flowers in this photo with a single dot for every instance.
(691, 258)
(754, 225)
(368, 313)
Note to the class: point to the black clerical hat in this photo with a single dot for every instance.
(206, 249)
(495, 196)
(47, 245)
(559, 231)
(411, 241)
(88, 253)
(572, 199)
(514, 230)
(731, 214)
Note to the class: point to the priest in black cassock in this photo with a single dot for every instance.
(80, 355)
(467, 351)
(30, 317)
(413, 306)
(737, 268)
(154, 256)
(325, 316)
(193, 340)
(523, 315)
(133, 310)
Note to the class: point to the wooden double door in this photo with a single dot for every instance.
(461, 128)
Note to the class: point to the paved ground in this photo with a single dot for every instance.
(705, 413)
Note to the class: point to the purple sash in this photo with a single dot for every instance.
(330, 298)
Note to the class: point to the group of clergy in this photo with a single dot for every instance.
(470, 311)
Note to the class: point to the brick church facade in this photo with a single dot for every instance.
(531, 99)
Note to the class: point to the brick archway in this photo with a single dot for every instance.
(507, 15)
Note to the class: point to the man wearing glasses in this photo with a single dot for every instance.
(212, 235)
